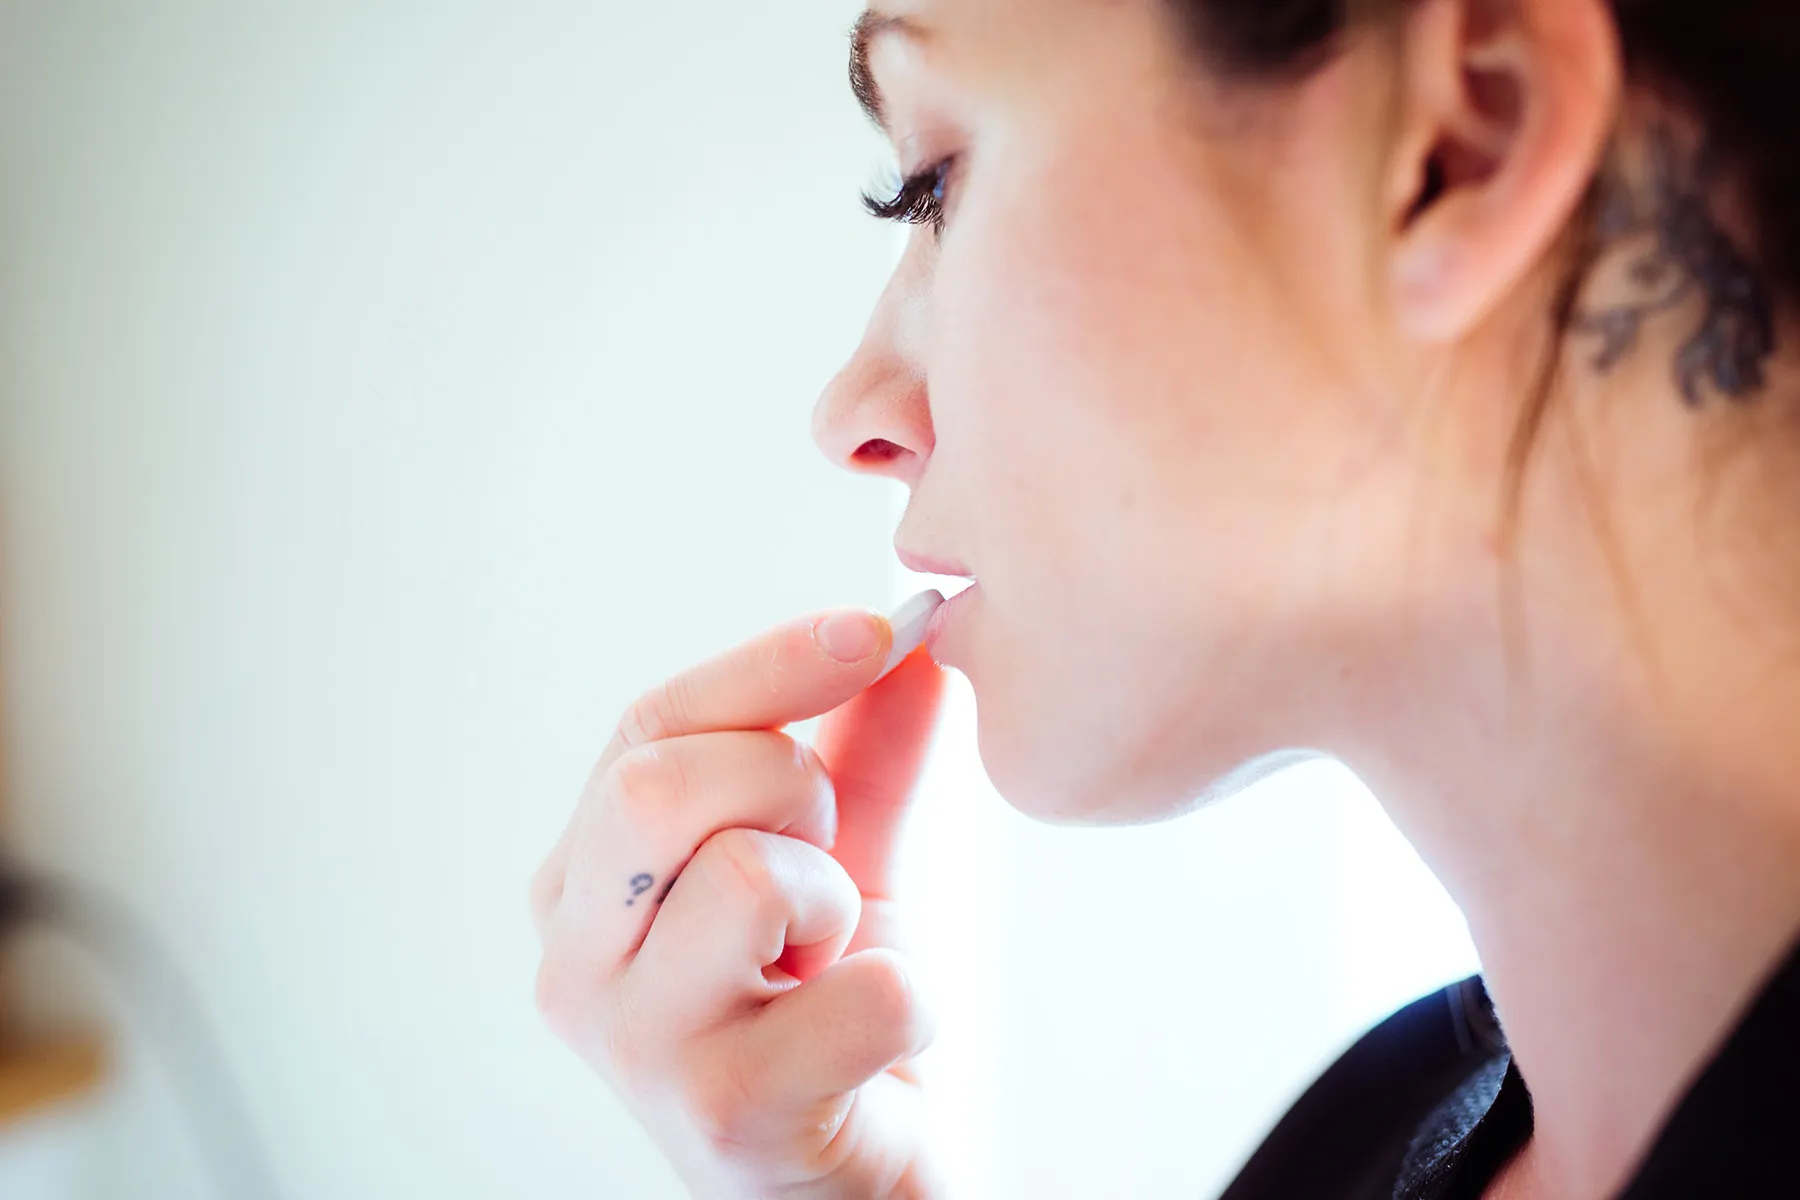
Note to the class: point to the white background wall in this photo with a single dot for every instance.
(388, 393)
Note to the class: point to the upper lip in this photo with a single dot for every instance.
(925, 565)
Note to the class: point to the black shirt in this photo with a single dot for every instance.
(1429, 1106)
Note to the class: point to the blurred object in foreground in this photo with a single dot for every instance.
(47, 1117)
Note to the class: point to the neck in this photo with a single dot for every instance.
(1617, 971)
(1630, 874)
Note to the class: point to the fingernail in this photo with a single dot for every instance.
(848, 637)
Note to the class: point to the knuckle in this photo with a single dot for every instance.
(813, 768)
(546, 889)
(648, 785)
(556, 994)
(643, 721)
(821, 789)
(736, 862)
(658, 713)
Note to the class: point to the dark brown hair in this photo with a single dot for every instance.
(1733, 65)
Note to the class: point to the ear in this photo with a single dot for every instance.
(1508, 106)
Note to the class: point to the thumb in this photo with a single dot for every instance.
(874, 748)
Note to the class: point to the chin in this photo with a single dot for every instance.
(1032, 778)
(1052, 781)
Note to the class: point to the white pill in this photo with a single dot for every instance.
(909, 621)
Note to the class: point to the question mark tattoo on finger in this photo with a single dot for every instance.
(643, 882)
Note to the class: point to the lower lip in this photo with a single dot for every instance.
(946, 612)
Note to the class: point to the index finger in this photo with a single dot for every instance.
(793, 672)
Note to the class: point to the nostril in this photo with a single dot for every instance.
(878, 450)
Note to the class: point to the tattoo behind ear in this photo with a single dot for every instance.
(1689, 255)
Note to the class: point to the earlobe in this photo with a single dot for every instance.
(1509, 111)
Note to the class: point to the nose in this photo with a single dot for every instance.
(874, 417)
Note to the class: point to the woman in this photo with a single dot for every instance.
(1409, 381)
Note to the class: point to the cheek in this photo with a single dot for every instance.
(1108, 394)
(1063, 369)
(1065, 378)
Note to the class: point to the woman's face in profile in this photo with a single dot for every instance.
(1135, 383)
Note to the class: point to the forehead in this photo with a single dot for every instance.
(1000, 22)
(991, 38)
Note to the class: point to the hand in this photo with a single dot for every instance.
(718, 921)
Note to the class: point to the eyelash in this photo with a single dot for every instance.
(919, 199)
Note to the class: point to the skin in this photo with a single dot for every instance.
(1218, 400)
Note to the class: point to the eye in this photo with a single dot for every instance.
(919, 199)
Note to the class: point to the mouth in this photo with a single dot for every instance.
(940, 620)
(948, 569)
(960, 589)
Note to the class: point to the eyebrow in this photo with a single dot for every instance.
(869, 27)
